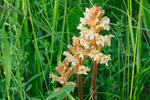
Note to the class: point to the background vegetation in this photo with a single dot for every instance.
(33, 34)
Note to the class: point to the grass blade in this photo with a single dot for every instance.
(37, 69)
(135, 48)
(6, 54)
(62, 37)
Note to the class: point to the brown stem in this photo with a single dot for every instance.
(79, 87)
(94, 74)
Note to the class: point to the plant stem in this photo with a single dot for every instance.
(79, 87)
(94, 74)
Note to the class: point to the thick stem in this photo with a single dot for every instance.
(94, 74)
(79, 87)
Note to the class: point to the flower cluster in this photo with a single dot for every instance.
(89, 43)
(79, 54)
(91, 40)
(76, 58)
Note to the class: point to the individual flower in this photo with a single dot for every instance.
(83, 70)
(95, 55)
(103, 24)
(85, 43)
(102, 41)
(108, 39)
(103, 59)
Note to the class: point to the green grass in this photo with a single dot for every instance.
(34, 33)
(6, 54)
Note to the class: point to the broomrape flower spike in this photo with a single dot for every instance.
(92, 41)
(90, 38)
(89, 43)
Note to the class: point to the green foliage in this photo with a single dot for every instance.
(6, 55)
(34, 33)
(62, 93)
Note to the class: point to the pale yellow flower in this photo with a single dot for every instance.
(103, 59)
(99, 57)
(104, 24)
(83, 70)
(108, 39)
(71, 58)
(100, 40)
(85, 43)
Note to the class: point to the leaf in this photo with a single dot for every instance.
(68, 88)
(29, 87)
(6, 51)
(31, 79)
(70, 96)
(55, 94)
(60, 94)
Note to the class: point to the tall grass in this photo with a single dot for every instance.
(37, 70)
(135, 49)
(6, 55)
(55, 14)
(59, 55)
(33, 34)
